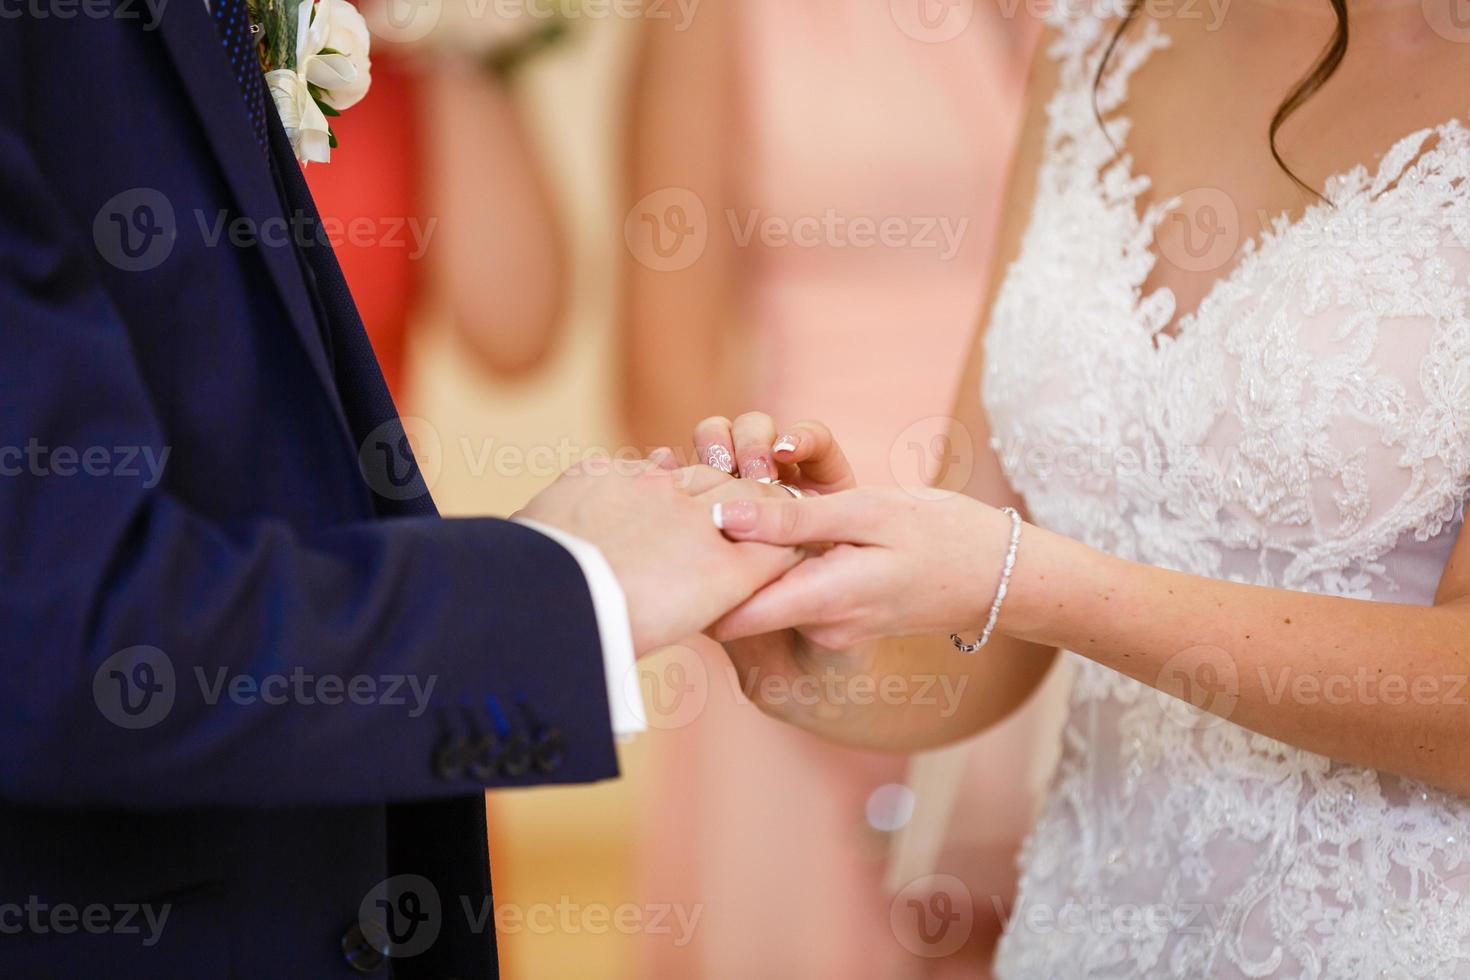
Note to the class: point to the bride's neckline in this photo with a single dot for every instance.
(1282, 226)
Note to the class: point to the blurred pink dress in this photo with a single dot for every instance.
(871, 164)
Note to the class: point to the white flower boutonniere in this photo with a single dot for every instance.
(315, 56)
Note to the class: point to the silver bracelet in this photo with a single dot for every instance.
(1000, 590)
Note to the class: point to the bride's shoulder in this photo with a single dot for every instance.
(1077, 34)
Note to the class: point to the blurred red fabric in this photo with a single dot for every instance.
(375, 174)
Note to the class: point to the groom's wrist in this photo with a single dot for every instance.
(615, 634)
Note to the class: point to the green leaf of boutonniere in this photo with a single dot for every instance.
(290, 16)
(319, 96)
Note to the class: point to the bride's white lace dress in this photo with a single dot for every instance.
(1307, 428)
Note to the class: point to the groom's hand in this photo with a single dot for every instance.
(678, 572)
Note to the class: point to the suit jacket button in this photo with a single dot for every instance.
(549, 750)
(360, 954)
(450, 757)
(485, 755)
(516, 758)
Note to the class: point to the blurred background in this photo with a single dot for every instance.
(580, 226)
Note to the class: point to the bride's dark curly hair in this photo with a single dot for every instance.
(1322, 69)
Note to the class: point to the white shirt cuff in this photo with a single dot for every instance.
(610, 605)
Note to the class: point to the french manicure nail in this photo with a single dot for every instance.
(785, 444)
(734, 515)
(758, 469)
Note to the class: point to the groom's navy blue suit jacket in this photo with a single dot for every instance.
(206, 707)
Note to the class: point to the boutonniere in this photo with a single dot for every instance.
(315, 56)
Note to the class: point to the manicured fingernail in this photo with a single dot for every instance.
(785, 444)
(734, 515)
(758, 469)
(719, 457)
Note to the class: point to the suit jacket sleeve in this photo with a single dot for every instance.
(155, 658)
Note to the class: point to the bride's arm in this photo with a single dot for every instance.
(934, 696)
(1379, 684)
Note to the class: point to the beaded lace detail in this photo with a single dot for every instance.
(1308, 428)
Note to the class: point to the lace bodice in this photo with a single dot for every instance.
(1307, 428)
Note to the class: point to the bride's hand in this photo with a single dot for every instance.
(804, 455)
(902, 566)
(776, 666)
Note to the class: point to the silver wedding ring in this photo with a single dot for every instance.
(794, 491)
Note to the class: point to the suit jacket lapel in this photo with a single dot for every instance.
(193, 44)
(369, 405)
